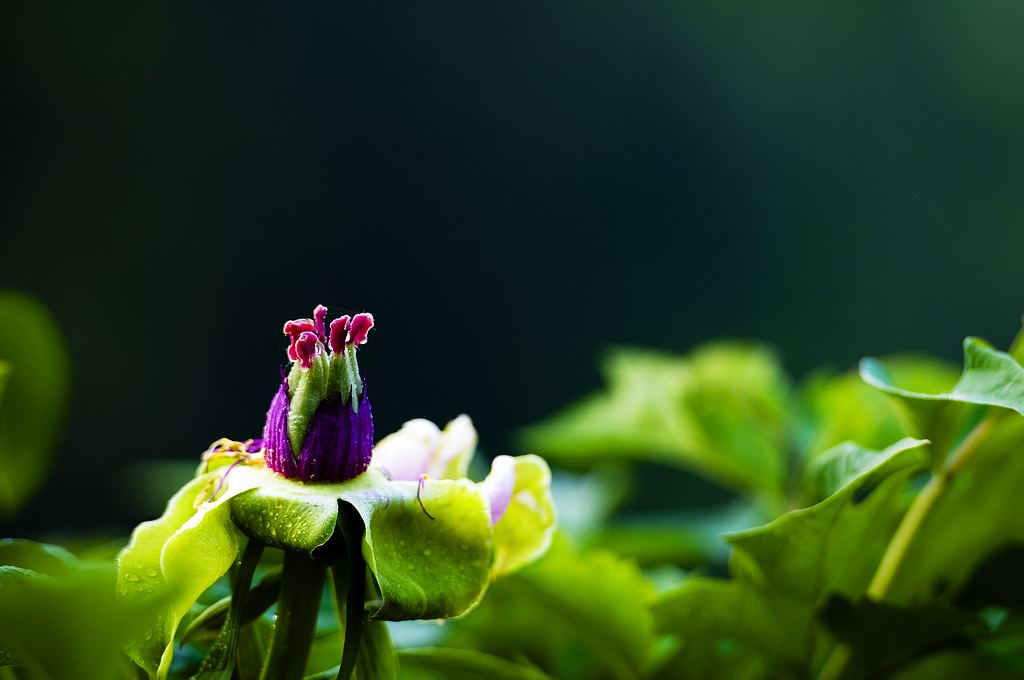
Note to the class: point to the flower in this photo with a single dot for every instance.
(411, 528)
(319, 426)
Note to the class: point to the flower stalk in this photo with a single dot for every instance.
(301, 587)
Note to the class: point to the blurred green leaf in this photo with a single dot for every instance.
(571, 614)
(34, 385)
(728, 630)
(61, 621)
(845, 408)
(687, 539)
(831, 547)
(995, 581)
(978, 512)
(884, 636)
(461, 664)
(954, 665)
(51, 560)
(720, 411)
(782, 573)
(989, 378)
(848, 462)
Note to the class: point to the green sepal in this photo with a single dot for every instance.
(424, 568)
(307, 387)
(173, 559)
(345, 379)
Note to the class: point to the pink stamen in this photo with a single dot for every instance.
(223, 479)
(360, 328)
(339, 329)
(319, 316)
(306, 348)
(293, 329)
(419, 491)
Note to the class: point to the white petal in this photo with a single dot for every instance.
(407, 454)
(499, 484)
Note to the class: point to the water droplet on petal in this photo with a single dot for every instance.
(131, 578)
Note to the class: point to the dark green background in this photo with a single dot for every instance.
(510, 187)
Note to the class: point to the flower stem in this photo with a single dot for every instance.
(302, 583)
(896, 552)
(919, 510)
(350, 589)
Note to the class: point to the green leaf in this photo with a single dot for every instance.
(883, 636)
(34, 386)
(836, 409)
(995, 581)
(64, 627)
(784, 570)
(524, 532)
(571, 614)
(174, 559)
(439, 663)
(955, 665)
(728, 629)
(686, 539)
(849, 463)
(978, 512)
(50, 560)
(720, 412)
(831, 547)
(425, 568)
(989, 378)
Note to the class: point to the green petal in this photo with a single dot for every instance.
(174, 559)
(524, 532)
(427, 566)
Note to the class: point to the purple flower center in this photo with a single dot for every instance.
(320, 426)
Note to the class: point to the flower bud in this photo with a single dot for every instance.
(319, 425)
